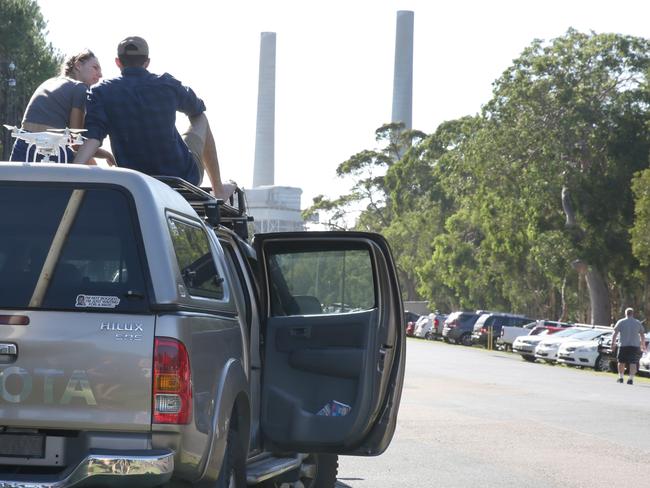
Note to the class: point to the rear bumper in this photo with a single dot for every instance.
(123, 468)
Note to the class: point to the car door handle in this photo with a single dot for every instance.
(300, 332)
(8, 349)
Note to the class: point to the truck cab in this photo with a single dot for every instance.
(146, 340)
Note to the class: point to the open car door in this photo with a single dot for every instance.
(334, 344)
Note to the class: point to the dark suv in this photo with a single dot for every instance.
(490, 324)
(458, 327)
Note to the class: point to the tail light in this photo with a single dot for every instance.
(436, 322)
(172, 382)
(483, 330)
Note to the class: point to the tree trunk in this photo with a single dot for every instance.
(408, 285)
(598, 293)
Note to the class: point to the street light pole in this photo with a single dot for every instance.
(8, 115)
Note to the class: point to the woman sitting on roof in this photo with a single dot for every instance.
(60, 103)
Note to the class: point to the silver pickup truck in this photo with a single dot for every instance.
(145, 342)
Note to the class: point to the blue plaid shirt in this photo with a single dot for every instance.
(138, 111)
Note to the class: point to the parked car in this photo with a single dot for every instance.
(525, 345)
(575, 352)
(644, 363)
(458, 327)
(605, 350)
(510, 332)
(410, 319)
(410, 329)
(437, 325)
(423, 326)
(547, 349)
(489, 326)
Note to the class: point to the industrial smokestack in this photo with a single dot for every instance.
(263, 170)
(403, 76)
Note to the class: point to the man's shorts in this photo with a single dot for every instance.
(195, 144)
(628, 354)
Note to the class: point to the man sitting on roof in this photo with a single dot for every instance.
(138, 111)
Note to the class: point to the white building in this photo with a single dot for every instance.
(275, 208)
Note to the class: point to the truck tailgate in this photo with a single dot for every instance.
(74, 371)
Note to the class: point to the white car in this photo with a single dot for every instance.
(644, 363)
(423, 326)
(525, 345)
(547, 349)
(574, 352)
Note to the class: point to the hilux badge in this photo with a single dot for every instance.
(125, 331)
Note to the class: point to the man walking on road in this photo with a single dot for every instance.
(632, 342)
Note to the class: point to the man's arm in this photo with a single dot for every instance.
(614, 337)
(86, 151)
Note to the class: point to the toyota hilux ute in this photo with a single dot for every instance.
(145, 342)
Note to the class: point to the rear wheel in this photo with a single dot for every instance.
(233, 467)
(466, 340)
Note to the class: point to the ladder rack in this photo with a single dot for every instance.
(230, 213)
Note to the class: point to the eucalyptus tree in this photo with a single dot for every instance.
(562, 136)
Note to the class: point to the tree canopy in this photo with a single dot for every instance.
(528, 206)
(22, 43)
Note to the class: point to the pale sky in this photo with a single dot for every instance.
(334, 64)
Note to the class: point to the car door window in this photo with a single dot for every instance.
(195, 260)
(331, 282)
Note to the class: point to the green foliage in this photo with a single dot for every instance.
(641, 231)
(490, 211)
(22, 41)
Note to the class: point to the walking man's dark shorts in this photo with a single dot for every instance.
(628, 354)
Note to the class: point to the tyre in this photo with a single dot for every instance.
(316, 471)
(602, 363)
(233, 467)
(529, 358)
(466, 340)
(428, 336)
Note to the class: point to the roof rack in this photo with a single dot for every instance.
(216, 212)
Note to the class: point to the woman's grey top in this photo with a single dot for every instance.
(52, 101)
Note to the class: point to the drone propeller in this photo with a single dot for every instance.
(68, 130)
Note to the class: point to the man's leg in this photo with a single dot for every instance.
(632, 370)
(621, 371)
(199, 139)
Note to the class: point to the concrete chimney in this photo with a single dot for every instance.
(264, 168)
(403, 76)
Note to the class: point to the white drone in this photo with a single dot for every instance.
(48, 143)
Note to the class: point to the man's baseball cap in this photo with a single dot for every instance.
(133, 46)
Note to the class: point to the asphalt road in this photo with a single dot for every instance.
(471, 417)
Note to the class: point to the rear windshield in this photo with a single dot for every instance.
(83, 240)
